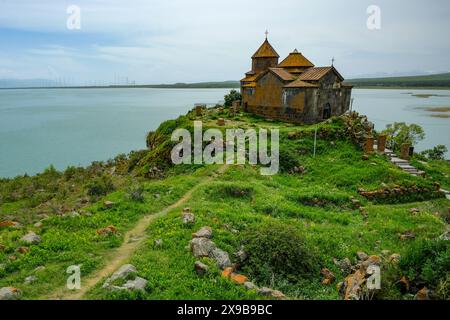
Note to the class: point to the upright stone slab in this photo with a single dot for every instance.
(381, 146)
(198, 110)
(368, 144)
(404, 152)
(236, 105)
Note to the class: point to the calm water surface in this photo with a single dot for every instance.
(63, 127)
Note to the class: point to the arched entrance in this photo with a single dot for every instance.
(326, 111)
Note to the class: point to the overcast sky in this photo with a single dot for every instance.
(198, 40)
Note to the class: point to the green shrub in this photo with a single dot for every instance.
(427, 263)
(437, 153)
(277, 251)
(236, 191)
(232, 96)
(100, 186)
(288, 158)
(136, 194)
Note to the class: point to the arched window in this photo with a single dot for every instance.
(326, 111)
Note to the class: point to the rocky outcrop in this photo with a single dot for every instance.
(109, 230)
(204, 247)
(187, 216)
(355, 285)
(205, 232)
(10, 293)
(392, 194)
(328, 276)
(31, 238)
(125, 278)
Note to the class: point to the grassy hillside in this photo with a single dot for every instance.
(435, 80)
(292, 225)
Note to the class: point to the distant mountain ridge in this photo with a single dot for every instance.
(441, 80)
(434, 80)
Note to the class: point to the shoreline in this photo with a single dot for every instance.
(218, 87)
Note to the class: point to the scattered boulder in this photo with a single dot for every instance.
(267, 292)
(221, 122)
(372, 260)
(239, 278)
(414, 211)
(138, 284)
(353, 285)
(31, 238)
(445, 236)
(200, 268)
(221, 257)
(365, 157)
(403, 284)
(74, 214)
(9, 224)
(226, 273)
(362, 256)
(344, 265)
(407, 235)
(250, 286)
(422, 294)
(107, 231)
(23, 250)
(121, 273)
(38, 224)
(328, 276)
(394, 258)
(204, 232)
(39, 268)
(241, 255)
(363, 212)
(125, 272)
(187, 216)
(202, 247)
(108, 204)
(10, 293)
(30, 279)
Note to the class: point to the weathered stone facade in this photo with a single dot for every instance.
(293, 90)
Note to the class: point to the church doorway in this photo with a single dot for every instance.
(326, 111)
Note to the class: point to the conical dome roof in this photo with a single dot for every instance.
(295, 60)
(266, 51)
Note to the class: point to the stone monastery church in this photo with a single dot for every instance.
(293, 90)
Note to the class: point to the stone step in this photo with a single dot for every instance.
(407, 167)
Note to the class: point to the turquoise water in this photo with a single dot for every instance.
(63, 127)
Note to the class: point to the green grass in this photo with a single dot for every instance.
(73, 240)
(315, 204)
(438, 170)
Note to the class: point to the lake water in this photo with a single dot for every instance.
(63, 127)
